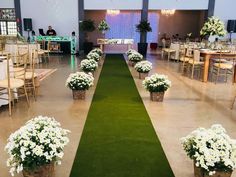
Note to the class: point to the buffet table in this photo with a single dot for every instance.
(49, 40)
(103, 42)
(209, 54)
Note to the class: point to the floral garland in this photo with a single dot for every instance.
(213, 26)
(88, 65)
(211, 149)
(103, 26)
(157, 83)
(79, 81)
(39, 142)
(143, 66)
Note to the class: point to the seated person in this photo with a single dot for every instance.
(51, 32)
(33, 37)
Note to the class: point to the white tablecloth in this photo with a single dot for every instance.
(13, 48)
(3, 75)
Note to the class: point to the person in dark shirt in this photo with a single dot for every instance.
(51, 32)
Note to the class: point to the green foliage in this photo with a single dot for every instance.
(143, 27)
(87, 26)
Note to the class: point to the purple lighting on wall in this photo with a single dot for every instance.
(123, 26)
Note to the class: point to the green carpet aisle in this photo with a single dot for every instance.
(118, 139)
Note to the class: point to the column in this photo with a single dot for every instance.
(18, 15)
(81, 18)
(144, 16)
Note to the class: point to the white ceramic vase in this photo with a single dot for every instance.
(212, 38)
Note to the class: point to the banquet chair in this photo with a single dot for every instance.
(168, 51)
(30, 75)
(195, 64)
(13, 84)
(185, 56)
(42, 52)
(221, 69)
(20, 57)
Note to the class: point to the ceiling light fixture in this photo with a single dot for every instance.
(113, 12)
(168, 12)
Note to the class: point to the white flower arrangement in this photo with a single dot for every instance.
(135, 57)
(39, 142)
(143, 66)
(157, 83)
(103, 26)
(93, 56)
(213, 26)
(88, 65)
(130, 51)
(98, 51)
(211, 149)
(79, 81)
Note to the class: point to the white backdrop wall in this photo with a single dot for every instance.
(6, 4)
(225, 10)
(62, 15)
(113, 4)
(178, 4)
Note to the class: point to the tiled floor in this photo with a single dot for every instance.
(188, 104)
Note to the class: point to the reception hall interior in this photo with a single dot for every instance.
(111, 88)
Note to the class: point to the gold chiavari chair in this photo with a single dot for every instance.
(186, 55)
(13, 84)
(222, 68)
(195, 64)
(30, 75)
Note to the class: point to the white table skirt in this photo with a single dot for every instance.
(13, 48)
(3, 75)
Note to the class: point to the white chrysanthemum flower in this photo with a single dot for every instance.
(40, 141)
(143, 66)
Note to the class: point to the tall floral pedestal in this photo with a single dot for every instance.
(78, 94)
(42, 171)
(142, 75)
(198, 172)
(157, 96)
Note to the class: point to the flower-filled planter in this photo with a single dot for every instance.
(98, 51)
(103, 27)
(93, 56)
(79, 82)
(130, 51)
(36, 147)
(143, 68)
(212, 151)
(213, 28)
(87, 65)
(157, 84)
(134, 58)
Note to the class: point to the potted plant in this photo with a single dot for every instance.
(143, 28)
(87, 26)
(143, 68)
(93, 56)
(213, 28)
(157, 84)
(212, 151)
(130, 51)
(36, 147)
(98, 51)
(134, 58)
(103, 26)
(79, 82)
(87, 65)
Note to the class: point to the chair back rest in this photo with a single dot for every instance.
(196, 55)
(189, 52)
(163, 43)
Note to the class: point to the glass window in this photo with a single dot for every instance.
(8, 28)
(3, 28)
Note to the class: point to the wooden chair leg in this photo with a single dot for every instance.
(26, 96)
(9, 99)
(192, 72)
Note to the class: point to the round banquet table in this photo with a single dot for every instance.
(13, 48)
